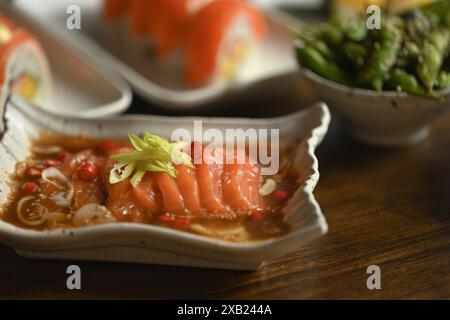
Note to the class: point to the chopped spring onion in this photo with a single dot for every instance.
(151, 153)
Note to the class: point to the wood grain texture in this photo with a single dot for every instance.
(390, 208)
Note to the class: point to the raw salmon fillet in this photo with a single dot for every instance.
(212, 189)
(188, 186)
(240, 184)
(171, 195)
(121, 200)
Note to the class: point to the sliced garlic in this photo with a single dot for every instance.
(268, 187)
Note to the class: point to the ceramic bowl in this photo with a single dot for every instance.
(387, 119)
(129, 242)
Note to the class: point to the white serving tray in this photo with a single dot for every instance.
(131, 242)
(82, 87)
(161, 81)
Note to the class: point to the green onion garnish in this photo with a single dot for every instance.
(152, 153)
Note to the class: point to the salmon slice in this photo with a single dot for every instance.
(113, 9)
(171, 196)
(207, 31)
(187, 184)
(146, 195)
(48, 192)
(122, 205)
(86, 192)
(240, 186)
(121, 201)
(209, 179)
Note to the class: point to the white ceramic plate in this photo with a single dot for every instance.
(161, 81)
(153, 244)
(82, 87)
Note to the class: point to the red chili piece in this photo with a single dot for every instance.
(166, 217)
(256, 216)
(61, 156)
(30, 187)
(181, 223)
(280, 195)
(34, 172)
(51, 163)
(88, 171)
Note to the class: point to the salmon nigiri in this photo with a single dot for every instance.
(220, 36)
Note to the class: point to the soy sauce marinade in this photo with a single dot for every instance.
(65, 183)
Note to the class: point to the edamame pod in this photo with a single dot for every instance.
(312, 59)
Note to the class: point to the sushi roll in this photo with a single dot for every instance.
(216, 37)
(24, 69)
(141, 16)
(113, 9)
(165, 23)
(172, 23)
(221, 39)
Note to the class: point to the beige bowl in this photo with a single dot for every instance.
(388, 119)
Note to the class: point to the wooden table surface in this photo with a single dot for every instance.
(389, 208)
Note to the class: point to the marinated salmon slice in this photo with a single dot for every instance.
(188, 186)
(121, 201)
(146, 195)
(212, 188)
(122, 204)
(209, 179)
(86, 192)
(171, 196)
(240, 186)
